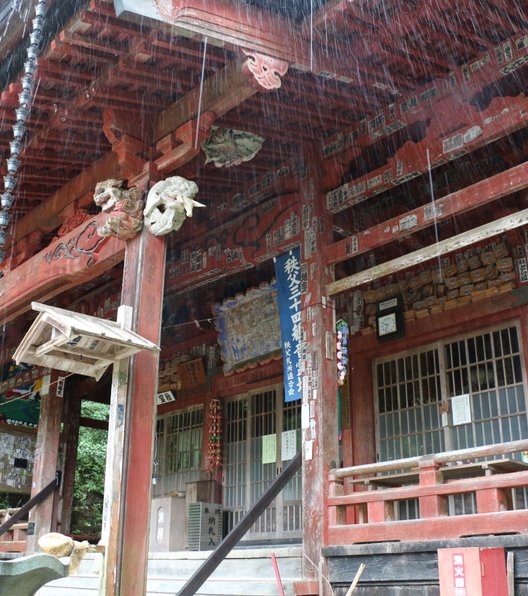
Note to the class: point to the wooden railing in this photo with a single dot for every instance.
(366, 502)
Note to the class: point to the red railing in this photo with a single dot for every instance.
(365, 502)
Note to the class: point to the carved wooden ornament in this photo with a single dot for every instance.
(228, 147)
(124, 208)
(169, 203)
(265, 70)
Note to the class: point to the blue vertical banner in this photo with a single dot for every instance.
(288, 276)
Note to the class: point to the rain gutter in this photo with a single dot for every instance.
(15, 53)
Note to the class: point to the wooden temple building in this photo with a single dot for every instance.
(380, 144)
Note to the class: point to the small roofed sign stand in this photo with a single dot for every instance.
(77, 343)
(87, 345)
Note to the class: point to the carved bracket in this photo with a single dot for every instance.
(264, 71)
(132, 152)
(178, 147)
(124, 208)
(169, 202)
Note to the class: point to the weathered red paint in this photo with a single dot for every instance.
(142, 290)
(71, 260)
(320, 375)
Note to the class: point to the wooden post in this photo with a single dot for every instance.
(45, 466)
(126, 529)
(320, 431)
(431, 505)
(72, 412)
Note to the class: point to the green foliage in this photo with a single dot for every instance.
(88, 490)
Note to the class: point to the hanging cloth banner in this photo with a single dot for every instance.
(288, 275)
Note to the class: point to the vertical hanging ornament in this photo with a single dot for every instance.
(341, 350)
(19, 128)
(215, 434)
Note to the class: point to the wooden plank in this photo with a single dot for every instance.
(115, 462)
(442, 458)
(143, 284)
(471, 197)
(457, 242)
(319, 376)
(440, 528)
(45, 464)
(510, 480)
(70, 440)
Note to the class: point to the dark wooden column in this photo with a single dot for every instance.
(71, 417)
(127, 549)
(45, 466)
(320, 426)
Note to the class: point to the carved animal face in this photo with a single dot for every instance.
(169, 202)
(108, 193)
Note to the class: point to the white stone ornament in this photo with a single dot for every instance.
(169, 202)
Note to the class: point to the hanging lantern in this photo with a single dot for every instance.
(341, 350)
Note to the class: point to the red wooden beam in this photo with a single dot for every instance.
(441, 528)
(468, 130)
(399, 227)
(421, 104)
(250, 239)
(71, 260)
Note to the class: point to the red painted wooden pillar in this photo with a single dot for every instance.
(46, 455)
(143, 282)
(362, 406)
(320, 428)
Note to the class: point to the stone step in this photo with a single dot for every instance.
(260, 564)
(243, 573)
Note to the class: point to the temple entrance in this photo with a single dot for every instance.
(262, 433)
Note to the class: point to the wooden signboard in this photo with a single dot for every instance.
(246, 241)
(248, 328)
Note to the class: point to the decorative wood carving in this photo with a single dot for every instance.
(273, 227)
(228, 147)
(79, 256)
(79, 217)
(124, 206)
(169, 203)
(266, 71)
(84, 243)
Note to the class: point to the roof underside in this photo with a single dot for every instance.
(95, 61)
(356, 61)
